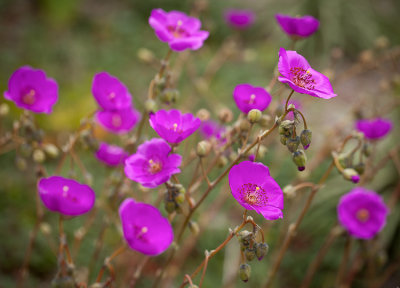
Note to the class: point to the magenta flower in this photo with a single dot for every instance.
(30, 89)
(152, 164)
(240, 19)
(298, 26)
(173, 126)
(298, 74)
(145, 229)
(118, 121)
(254, 189)
(111, 155)
(66, 196)
(248, 97)
(180, 31)
(210, 129)
(374, 128)
(362, 212)
(110, 93)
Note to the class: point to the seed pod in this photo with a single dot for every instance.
(283, 139)
(244, 125)
(299, 158)
(351, 175)
(286, 128)
(203, 114)
(254, 115)
(305, 138)
(293, 143)
(244, 272)
(244, 237)
(250, 253)
(261, 250)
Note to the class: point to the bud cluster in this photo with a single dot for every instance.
(174, 198)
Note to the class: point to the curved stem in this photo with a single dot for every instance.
(107, 261)
(287, 101)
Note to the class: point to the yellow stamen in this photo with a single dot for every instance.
(65, 191)
(363, 215)
(175, 126)
(252, 97)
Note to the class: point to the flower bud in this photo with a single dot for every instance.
(225, 115)
(145, 55)
(265, 121)
(150, 106)
(283, 139)
(169, 96)
(360, 168)
(299, 158)
(345, 159)
(286, 127)
(254, 116)
(203, 148)
(244, 125)
(203, 114)
(367, 149)
(222, 161)
(305, 138)
(180, 198)
(293, 143)
(351, 175)
(244, 272)
(289, 192)
(170, 206)
(21, 163)
(4, 109)
(38, 156)
(244, 237)
(250, 253)
(194, 227)
(51, 150)
(261, 250)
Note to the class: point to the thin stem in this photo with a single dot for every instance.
(287, 101)
(204, 172)
(107, 261)
(138, 271)
(204, 268)
(345, 260)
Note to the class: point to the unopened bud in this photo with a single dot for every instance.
(299, 158)
(367, 149)
(254, 115)
(305, 138)
(283, 139)
(4, 109)
(250, 253)
(38, 156)
(293, 143)
(244, 272)
(289, 192)
(203, 114)
(150, 105)
(194, 227)
(203, 148)
(51, 150)
(244, 125)
(261, 250)
(169, 96)
(170, 206)
(265, 121)
(351, 175)
(244, 237)
(222, 161)
(180, 198)
(286, 128)
(145, 55)
(345, 159)
(225, 115)
(45, 228)
(360, 168)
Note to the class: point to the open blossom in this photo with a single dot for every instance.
(248, 97)
(180, 31)
(173, 126)
(211, 128)
(298, 26)
(118, 121)
(374, 128)
(66, 196)
(111, 155)
(240, 19)
(110, 93)
(298, 74)
(152, 164)
(362, 212)
(254, 189)
(145, 229)
(30, 89)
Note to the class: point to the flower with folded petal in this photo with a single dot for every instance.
(240, 19)
(30, 89)
(248, 97)
(173, 126)
(66, 196)
(111, 155)
(254, 189)
(297, 27)
(362, 212)
(180, 31)
(152, 164)
(118, 121)
(145, 229)
(110, 93)
(374, 129)
(298, 74)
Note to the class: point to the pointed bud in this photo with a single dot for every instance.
(293, 143)
(305, 138)
(250, 253)
(351, 175)
(261, 250)
(254, 116)
(299, 158)
(244, 272)
(203, 148)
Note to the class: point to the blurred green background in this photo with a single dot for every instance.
(74, 39)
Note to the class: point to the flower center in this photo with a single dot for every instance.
(363, 215)
(111, 96)
(253, 194)
(29, 98)
(177, 31)
(140, 232)
(116, 120)
(65, 194)
(302, 78)
(154, 166)
(252, 98)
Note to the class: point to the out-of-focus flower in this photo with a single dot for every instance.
(298, 74)
(248, 97)
(211, 128)
(152, 164)
(145, 229)
(240, 19)
(374, 129)
(111, 155)
(362, 212)
(173, 126)
(118, 121)
(180, 31)
(254, 189)
(66, 196)
(30, 89)
(299, 27)
(110, 93)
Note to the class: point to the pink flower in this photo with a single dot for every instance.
(152, 164)
(66, 196)
(111, 155)
(362, 212)
(240, 19)
(374, 129)
(180, 31)
(211, 128)
(118, 121)
(173, 126)
(145, 229)
(248, 97)
(298, 74)
(30, 89)
(298, 26)
(254, 189)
